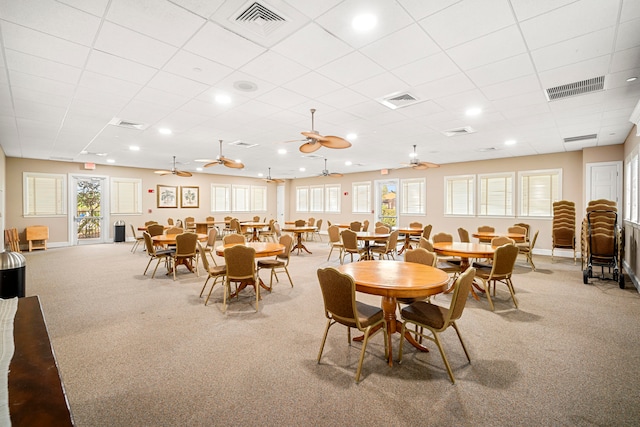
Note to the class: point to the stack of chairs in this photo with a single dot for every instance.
(563, 231)
(601, 239)
(12, 239)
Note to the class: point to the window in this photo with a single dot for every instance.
(631, 189)
(361, 199)
(413, 196)
(332, 198)
(316, 198)
(126, 196)
(459, 192)
(538, 191)
(220, 198)
(258, 198)
(44, 194)
(240, 198)
(496, 195)
(302, 199)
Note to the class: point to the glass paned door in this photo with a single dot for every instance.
(387, 202)
(89, 216)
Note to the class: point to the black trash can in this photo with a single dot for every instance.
(119, 232)
(12, 274)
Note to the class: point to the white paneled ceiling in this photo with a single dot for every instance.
(68, 68)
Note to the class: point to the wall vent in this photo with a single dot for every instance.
(581, 138)
(242, 144)
(398, 100)
(594, 84)
(459, 131)
(128, 124)
(259, 18)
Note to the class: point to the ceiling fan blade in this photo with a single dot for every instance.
(314, 135)
(335, 175)
(231, 163)
(331, 141)
(213, 163)
(163, 172)
(184, 173)
(430, 165)
(420, 166)
(310, 147)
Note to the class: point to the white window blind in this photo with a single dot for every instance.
(538, 191)
(413, 196)
(316, 198)
(302, 199)
(361, 198)
(459, 193)
(332, 198)
(496, 195)
(44, 194)
(126, 196)
(240, 198)
(258, 198)
(220, 198)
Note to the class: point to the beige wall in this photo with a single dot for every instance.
(59, 227)
(632, 231)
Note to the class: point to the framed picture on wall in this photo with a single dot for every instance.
(167, 196)
(189, 197)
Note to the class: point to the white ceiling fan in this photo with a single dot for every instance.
(313, 140)
(221, 160)
(174, 171)
(326, 172)
(417, 164)
(269, 179)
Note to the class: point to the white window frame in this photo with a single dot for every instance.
(240, 198)
(552, 194)
(332, 198)
(506, 199)
(126, 191)
(259, 198)
(468, 181)
(631, 190)
(220, 197)
(302, 199)
(413, 196)
(316, 198)
(361, 197)
(47, 182)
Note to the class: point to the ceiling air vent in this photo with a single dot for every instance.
(459, 131)
(581, 138)
(128, 124)
(313, 156)
(260, 18)
(242, 144)
(576, 88)
(399, 100)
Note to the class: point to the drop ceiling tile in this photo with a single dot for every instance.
(381, 85)
(180, 121)
(52, 17)
(427, 69)
(120, 68)
(526, 9)
(444, 87)
(313, 85)
(342, 98)
(274, 68)
(50, 116)
(507, 69)
(221, 45)
(459, 23)
(161, 20)
(137, 47)
(28, 64)
(579, 71)
(630, 11)
(485, 50)
(204, 8)
(574, 50)
(625, 60)
(25, 95)
(94, 7)
(422, 8)
(197, 68)
(177, 85)
(144, 112)
(161, 98)
(390, 18)
(44, 46)
(312, 46)
(41, 84)
(115, 86)
(235, 83)
(568, 22)
(628, 35)
(513, 87)
(351, 68)
(101, 97)
(393, 51)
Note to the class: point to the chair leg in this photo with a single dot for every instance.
(204, 286)
(362, 351)
(464, 347)
(487, 291)
(512, 291)
(148, 264)
(211, 290)
(324, 338)
(444, 357)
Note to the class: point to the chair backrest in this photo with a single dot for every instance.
(415, 225)
(155, 229)
(213, 235)
(504, 259)
(532, 242)
(421, 256)
(311, 222)
(365, 225)
(188, 221)
(442, 237)
(502, 240)
(382, 229)
(334, 234)
(464, 235)
(339, 296)
(148, 243)
(133, 232)
(205, 260)
(392, 242)
(234, 238)
(517, 229)
(462, 287)
(170, 221)
(210, 219)
(300, 223)
(287, 241)
(486, 228)
(525, 226)
(426, 231)
(349, 239)
(426, 244)
(148, 223)
(355, 226)
(318, 224)
(240, 262)
(276, 229)
(234, 225)
(379, 223)
(175, 230)
(256, 218)
(186, 244)
(179, 223)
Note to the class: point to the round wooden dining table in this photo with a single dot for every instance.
(392, 280)
(488, 235)
(170, 239)
(408, 232)
(299, 231)
(255, 227)
(263, 249)
(366, 237)
(464, 251)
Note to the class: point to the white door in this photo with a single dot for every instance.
(604, 181)
(280, 205)
(386, 199)
(88, 210)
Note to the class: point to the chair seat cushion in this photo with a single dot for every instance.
(218, 270)
(368, 314)
(270, 263)
(426, 314)
(163, 252)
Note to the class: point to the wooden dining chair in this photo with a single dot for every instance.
(418, 256)
(436, 319)
(241, 268)
(526, 248)
(500, 271)
(341, 306)
(210, 247)
(234, 238)
(138, 239)
(279, 263)
(485, 229)
(350, 245)
(335, 241)
(186, 252)
(464, 235)
(355, 226)
(165, 255)
(213, 272)
(389, 249)
(426, 244)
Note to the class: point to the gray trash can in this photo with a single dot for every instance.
(118, 235)
(12, 274)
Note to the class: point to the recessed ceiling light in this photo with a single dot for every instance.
(199, 169)
(134, 148)
(110, 161)
(303, 169)
(348, 163)
(238, 161)
(165, 131)
(473, 111)
(260, 174)
(510, 142)
(632, 79)
(245, 86)
(223, 99)
(352, 136)
(282, 151)
(364, 22)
